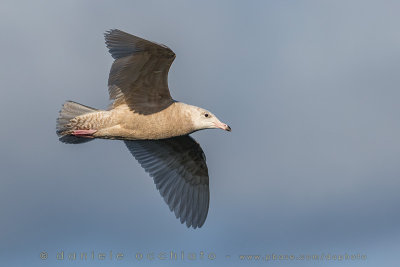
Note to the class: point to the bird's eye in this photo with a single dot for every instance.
(206, 115)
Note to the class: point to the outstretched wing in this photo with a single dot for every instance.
(178, 167)
(139, 74)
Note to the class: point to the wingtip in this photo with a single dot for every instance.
(110, 31)
(107, 35)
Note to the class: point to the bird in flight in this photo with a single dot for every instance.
(154, 127)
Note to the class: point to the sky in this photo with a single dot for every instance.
(311, 167)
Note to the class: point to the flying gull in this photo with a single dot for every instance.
(154, 127)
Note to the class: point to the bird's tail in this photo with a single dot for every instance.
(66, 123)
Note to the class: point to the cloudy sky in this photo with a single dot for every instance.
(310, 89)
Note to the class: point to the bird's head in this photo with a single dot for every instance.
(204, 119)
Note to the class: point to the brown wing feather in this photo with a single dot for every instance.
(139, 74)
(178, 167)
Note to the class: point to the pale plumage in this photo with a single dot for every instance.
(153, 126)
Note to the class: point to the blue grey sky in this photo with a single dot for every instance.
(310, 89)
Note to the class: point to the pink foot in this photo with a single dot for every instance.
(84, 133)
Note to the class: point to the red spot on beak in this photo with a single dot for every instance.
(223, 126)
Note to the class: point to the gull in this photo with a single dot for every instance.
(154, 127)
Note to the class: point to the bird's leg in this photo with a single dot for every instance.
(84, 133)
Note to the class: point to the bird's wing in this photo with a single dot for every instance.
(139, 74)
(178, 167)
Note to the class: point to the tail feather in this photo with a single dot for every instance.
(69, 111)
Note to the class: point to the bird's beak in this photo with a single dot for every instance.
(222, 126)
